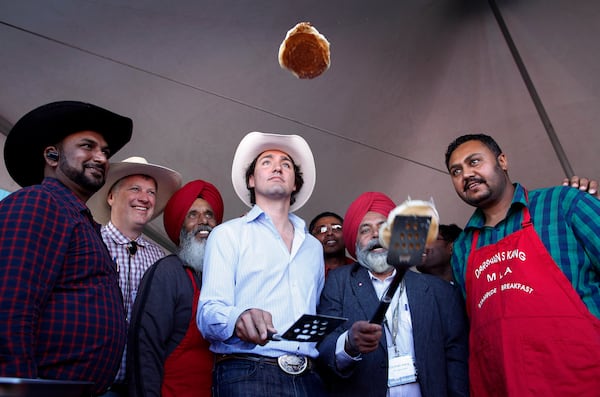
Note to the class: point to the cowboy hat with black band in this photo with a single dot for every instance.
(49, 124)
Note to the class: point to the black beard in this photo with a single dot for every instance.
(90, 184)
(494, 183)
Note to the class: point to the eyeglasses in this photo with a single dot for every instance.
(335, 228)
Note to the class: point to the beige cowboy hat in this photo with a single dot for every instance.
(254, 143)
(167, 182)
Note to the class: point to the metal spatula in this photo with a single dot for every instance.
(407, 244)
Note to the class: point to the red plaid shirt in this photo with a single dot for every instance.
(60, 305)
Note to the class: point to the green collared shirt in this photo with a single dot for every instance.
(568, 224)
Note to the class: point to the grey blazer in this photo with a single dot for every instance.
(440, 334)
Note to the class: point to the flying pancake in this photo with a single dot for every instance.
(304, 51)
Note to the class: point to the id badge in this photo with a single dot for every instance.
(402, 370)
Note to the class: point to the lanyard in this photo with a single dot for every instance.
(395, 319)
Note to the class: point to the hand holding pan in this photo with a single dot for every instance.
(409, 228)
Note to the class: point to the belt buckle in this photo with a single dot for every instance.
(292, 364)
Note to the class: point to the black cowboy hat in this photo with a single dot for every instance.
(49, 124)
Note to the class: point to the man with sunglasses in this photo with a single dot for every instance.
(327, 228)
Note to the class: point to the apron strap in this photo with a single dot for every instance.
(526, 222)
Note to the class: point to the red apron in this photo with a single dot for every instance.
(531, 334)
(188, 370)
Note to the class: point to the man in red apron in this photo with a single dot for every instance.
(529, 263)
(168, 356)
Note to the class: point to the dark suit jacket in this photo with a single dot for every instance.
(440, 334)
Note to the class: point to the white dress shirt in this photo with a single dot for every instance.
(248, 265)
(404, 343)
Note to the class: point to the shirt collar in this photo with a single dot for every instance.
(254, 213)
(119, 238)
(519, 201)
(65, 193)
(373, 278)
(257, 212)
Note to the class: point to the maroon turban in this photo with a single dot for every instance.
(179, 204)
(369, 201)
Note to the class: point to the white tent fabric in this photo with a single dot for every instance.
(406, 78)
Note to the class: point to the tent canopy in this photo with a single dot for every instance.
(406, 77)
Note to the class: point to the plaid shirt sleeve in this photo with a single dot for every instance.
(60, 303)
(32, 247)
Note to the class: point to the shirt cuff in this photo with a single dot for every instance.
(343, 361)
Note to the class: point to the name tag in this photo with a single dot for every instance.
(402, 370)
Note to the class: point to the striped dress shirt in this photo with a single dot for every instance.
(568, 224)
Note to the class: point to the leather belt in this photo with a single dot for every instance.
(288, 363)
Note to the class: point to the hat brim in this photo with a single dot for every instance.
(48, 125)
(167, 182)
(255, 143)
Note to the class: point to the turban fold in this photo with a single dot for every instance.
(181, 201)
(369, 201)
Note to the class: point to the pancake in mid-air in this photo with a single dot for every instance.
(304, 51)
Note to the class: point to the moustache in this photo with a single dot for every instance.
(372, 245)
(472, 180)
(95, 166)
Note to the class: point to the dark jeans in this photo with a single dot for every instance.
(235, 378)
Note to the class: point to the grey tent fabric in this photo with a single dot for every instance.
(406, 77)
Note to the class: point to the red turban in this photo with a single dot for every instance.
(179, 204)
(369, 201)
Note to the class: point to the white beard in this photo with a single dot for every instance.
(374, 261)
(191, 250)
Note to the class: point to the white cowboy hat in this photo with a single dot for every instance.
(167, 182)
(254, 143)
